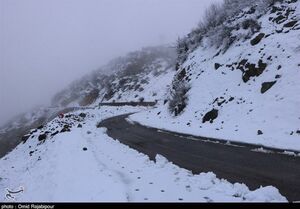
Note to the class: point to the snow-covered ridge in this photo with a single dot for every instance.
(76, 161)
(130, 78)
(249, 92)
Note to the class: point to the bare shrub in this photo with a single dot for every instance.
(178, 97)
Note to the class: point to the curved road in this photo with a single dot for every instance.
(236, 163)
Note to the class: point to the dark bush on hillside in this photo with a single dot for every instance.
(178, 97)
(251, 24)
(182, 50)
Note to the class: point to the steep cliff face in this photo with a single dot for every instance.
(242, 90)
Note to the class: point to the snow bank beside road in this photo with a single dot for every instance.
(84, 164)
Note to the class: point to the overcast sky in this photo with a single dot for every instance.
(46, 44)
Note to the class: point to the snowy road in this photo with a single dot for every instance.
(234, 163)
(85, 165)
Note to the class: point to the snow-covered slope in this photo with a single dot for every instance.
(246, 92)
(12, 132)
(137, 76)
(70, 159)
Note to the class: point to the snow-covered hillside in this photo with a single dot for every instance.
(240, 83)
(70, 159)
(247, 92)
(139, 76)
(135, 77)
(13, 131)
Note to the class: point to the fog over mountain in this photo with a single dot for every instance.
(44, 45)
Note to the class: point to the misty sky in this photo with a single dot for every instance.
(46, 44)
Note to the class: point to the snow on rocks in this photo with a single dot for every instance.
(84, 164)
(249, 89)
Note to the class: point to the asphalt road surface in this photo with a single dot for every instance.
(234, 162)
